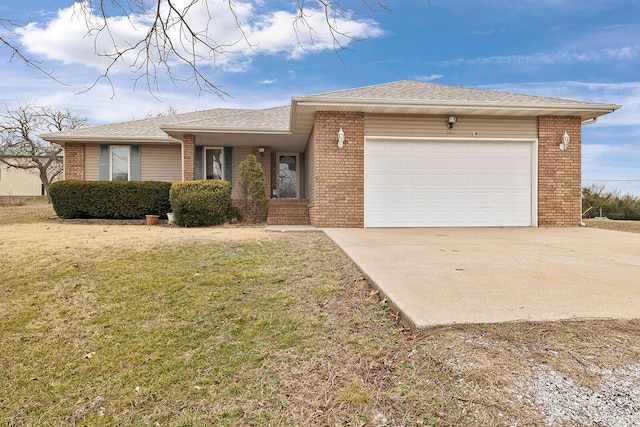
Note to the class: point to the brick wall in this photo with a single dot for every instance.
(265, 160)
(239, 155)
(74, 161)
(288, 212)
(339, 172)
(189, 157)
(559, 172)
(273, 174)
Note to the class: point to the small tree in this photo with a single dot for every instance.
(252, 184)
(21, 148)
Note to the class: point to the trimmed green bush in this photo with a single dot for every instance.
(252, 184)
(110, 199)
(201, 203)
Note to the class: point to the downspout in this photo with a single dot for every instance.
(587, 122)
(182, 158)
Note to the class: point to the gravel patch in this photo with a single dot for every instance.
(615, 403)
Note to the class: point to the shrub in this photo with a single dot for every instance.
(252, 184)
(110, 199)
(613, 205)
(201, 203)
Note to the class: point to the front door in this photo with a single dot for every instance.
(288, 176)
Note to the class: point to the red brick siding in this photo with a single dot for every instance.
(273, 173)
(189, 157)
(74, 157)
(288, 212)
(559, 172)
(339, 172)
(265, 161)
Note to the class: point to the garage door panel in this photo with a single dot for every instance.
(448, 183)
(460, 179)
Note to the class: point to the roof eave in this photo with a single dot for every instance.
(204, 129)
(585, 110)
(104, 139)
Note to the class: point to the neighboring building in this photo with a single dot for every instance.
(19, 182)
(16, 182)
(413, 155)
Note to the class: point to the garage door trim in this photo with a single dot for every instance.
(534, 160)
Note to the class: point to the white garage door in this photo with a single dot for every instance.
(411, 183)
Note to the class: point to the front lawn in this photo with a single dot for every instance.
(137, 325)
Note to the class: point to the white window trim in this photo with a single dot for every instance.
(204, 161)
(111, 147)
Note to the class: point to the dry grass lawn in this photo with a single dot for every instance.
(167, 326)
(607, 224)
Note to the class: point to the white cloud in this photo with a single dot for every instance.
(268, 81)
(430, 77)
(239, 31)
(625, 93)
(623, 53)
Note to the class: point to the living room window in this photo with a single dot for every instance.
(120, 165)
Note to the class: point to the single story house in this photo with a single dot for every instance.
(401, 154)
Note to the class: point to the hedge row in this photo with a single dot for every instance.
(110, 199)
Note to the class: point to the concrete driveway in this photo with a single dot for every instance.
(441, 276)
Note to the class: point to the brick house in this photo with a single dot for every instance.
(401, 154)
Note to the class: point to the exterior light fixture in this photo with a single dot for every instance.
(340, 138)
(452, 120)
(260, 149)
(565, 141)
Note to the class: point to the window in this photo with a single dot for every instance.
(119, 163)
(214, 163)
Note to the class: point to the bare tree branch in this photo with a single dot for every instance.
(16, 52)
(21, 148)
(180, 32)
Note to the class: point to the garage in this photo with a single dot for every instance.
(424, 182)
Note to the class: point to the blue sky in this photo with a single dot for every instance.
(560, 48)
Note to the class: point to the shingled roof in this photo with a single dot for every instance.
(401, 97)
(146, 129)
(410, 90)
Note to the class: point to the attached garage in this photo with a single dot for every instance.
(425, 182)
(399, 154)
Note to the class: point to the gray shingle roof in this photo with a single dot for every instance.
(150, 128)
(409, 90)
(278, 119)
(274, 119)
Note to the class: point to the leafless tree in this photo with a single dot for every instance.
(21, 148)
(174, 34)
(169, 111)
